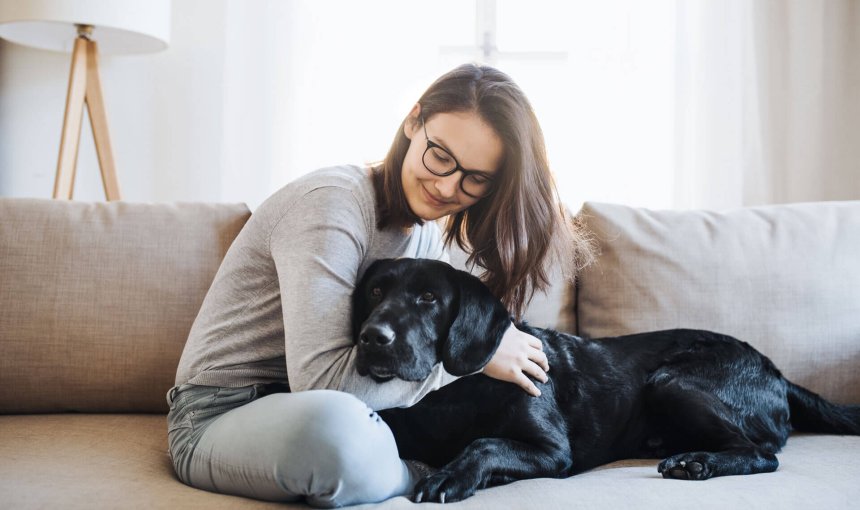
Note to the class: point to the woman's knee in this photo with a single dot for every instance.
(342, 443)
(335, 421)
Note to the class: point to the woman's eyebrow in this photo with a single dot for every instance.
(440, 142)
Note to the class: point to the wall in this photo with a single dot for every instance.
(166, 113)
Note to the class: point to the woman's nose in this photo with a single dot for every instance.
(447, 186)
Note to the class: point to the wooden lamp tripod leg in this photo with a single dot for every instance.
(85, 86)
(98, 120)
(65, 181)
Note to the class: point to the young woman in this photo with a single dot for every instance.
(267, 402)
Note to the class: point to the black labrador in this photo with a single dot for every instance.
(706, 403)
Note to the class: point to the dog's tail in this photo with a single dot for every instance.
(812, 413)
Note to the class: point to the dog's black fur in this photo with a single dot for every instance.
(708, 404)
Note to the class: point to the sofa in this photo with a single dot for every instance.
(96, 300)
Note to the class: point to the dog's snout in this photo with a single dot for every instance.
(378, 334)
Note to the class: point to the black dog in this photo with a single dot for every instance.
(709, 404)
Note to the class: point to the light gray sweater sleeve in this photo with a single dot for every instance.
(318, 247)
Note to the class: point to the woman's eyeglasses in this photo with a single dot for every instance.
(439, 161)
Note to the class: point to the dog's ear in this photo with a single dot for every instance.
(478, 328)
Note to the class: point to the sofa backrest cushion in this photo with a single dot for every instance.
(96, 299)
(784, 278)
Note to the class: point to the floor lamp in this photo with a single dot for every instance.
(87, 28)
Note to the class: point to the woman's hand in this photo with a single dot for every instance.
(518, 356)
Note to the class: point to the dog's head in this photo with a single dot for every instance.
(410, 314)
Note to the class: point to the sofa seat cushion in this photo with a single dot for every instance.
(95, 461)
(120, 461)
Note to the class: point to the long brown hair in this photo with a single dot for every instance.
(521, 230)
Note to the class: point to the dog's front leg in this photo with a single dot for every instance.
(493, 461)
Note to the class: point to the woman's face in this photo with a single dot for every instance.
(466, 137)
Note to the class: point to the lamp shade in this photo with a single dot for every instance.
(120, 26)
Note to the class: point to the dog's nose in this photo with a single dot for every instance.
(379, 334)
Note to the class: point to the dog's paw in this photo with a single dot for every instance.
(444, 487)
(687, 466)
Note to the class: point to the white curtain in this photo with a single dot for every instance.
(767, 102)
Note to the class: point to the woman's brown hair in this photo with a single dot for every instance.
(521, 230)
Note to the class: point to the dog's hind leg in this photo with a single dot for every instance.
(697, 420)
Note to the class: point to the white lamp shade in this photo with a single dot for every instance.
(120, 26)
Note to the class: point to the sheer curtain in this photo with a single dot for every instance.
(314, 83)
(662, 104)
(767, 102)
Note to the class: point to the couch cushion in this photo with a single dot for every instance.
(96, 299)
(120, 461)
(784, 278)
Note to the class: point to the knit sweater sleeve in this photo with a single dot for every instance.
(318, 247)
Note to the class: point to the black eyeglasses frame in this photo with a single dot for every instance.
(466, 173)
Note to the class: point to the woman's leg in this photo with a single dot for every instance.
(325, 446)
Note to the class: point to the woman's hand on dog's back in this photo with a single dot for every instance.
(519, 356)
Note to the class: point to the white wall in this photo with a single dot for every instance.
(165, 112)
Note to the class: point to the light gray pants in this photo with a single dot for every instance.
(325, 446)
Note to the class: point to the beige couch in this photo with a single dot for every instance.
(96, 301)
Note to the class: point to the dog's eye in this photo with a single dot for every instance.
(428, 297)
(376, 292)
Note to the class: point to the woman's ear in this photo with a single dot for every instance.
(413, 121)
(478, 328)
